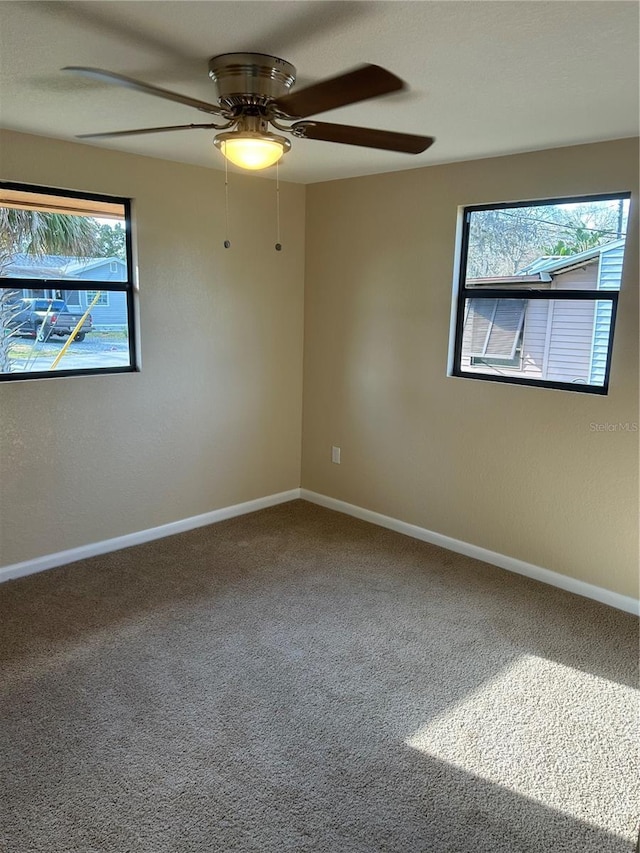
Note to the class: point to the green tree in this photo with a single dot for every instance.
(112, 242)
(581, 241)
(36, 233)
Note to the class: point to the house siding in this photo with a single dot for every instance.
(535, 334)
(609, 278)
(111, 316)
(610, 273)
(583, 278)
(570, 338)
(568, 357)
(559, 336)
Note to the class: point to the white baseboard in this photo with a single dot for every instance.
(511, 564)
(61, 558)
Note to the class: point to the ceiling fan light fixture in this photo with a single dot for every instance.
(251, 150)
(253, 94)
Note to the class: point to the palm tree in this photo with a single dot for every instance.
(36, 233)
(582, 240)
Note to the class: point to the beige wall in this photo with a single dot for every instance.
(513, 469)
(214, 417)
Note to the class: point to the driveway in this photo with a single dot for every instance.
(97, 351)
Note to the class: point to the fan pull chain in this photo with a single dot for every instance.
(227, 242)
(278, 243)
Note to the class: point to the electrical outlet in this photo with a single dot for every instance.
(335, 455)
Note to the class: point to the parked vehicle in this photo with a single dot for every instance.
(43, 318)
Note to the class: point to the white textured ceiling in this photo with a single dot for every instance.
(486, 78)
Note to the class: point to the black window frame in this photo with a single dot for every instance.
(127, 287)
(464, 293)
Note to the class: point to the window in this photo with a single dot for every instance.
(97, 298)
(496, 331)
(538, 290)
(66, 283)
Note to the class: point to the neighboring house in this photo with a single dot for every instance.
(109, 312)
(562, 341)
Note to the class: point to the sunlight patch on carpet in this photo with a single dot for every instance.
(557, 735)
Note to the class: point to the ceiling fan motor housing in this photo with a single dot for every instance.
(250, 79)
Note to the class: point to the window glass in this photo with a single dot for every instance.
(538, 245)
(538, 291)
(52, 244)
(558, 340)
(39, 330)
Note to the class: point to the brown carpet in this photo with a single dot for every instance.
(296, 680)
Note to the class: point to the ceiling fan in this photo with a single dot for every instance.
(253, 92)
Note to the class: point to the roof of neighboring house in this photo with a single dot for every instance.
(541, 270)
(556, 263)
(54, 266)
(84, 264)
(492, 280)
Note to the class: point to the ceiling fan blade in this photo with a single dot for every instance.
(146, 88)
(387, 140)
(367, 81)
(115, 133)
